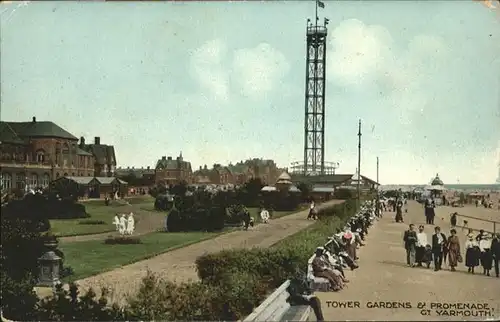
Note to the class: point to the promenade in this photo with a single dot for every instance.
(383, 276)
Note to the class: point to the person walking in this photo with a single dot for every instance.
(454, 256)
(438, 242)
(495, 251)
(410, 242)
(421, 243)
(472, 253)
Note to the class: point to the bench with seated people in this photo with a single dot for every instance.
(277, 308)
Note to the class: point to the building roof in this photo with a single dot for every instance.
(40, 129)
(323, 189)
(437, 181)
(82, 152)
(284, 176)
(106, 180)
(332, 179)
(172, 164)
(8, 135)
(102, 153)
(237, 169)
(137, 172)
(78, 180)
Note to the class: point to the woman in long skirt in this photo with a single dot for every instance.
(486, 255)
(453, 250)
(472, 253)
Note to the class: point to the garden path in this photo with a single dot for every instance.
(179, 265)
(384, 276)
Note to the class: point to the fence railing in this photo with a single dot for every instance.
(493, 224)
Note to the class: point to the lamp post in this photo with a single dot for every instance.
(359, 163)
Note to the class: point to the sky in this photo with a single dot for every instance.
(224, 81)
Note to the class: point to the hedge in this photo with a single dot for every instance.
(232, 284)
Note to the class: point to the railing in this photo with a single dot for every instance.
(494, 224)
(277, 308)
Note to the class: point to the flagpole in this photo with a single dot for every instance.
(316, 21)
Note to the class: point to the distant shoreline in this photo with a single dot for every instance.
(467, 187)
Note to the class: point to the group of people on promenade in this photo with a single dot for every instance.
(480, 250)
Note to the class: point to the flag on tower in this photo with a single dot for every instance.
(321, 4)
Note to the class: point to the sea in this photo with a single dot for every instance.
(458, 187)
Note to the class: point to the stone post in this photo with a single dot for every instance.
(49, 264)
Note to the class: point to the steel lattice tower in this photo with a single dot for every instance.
(314, 122)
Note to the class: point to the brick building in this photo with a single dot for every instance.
(144, 177)
(172, 171)
(104, 157)
(239, 173)
(37, 152)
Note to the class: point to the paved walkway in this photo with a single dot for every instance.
(384, 277)
(179, 265)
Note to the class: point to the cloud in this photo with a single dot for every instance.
(258, 70)
(207, 69)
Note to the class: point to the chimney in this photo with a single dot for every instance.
(97, 140)
(205, 167)
(34, 119)
(169, 158)
(149, 167)
(164, 158)
(200, 167)
(82, 141)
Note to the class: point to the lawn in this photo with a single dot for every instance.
(89, 258)
(97, 211)
(71, 227)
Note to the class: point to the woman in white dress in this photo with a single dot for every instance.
(130, 224)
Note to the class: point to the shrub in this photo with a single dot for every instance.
(163, 202)
(68, 305)
(343, 194)
(92, 222)
(270, 267)
(122, 240)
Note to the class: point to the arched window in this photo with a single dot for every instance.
(45, 180)
(40, 155)
(90, 174)
(65, 148)
(73, 174)
(57, 175)
(65, 174)
(6, 181)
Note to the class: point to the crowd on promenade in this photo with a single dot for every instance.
(482, 249)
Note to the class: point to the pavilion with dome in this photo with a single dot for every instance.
(437, 187)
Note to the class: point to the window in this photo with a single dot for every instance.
(20, 182)
(6, 181)
(65, 174)
(57, 175)
(65, 148)
(73, 174)
(45, 180)
(33, 180)
(90, 174)
(40, 156)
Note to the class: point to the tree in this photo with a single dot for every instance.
(179, 189)
(305, 191)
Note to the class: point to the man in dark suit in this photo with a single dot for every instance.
(410, 240)
(495, 250)
(438, 243)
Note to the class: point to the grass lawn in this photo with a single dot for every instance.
(97, 211)
(89, 258)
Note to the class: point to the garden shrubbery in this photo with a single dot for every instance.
(232, 283)
(91, 222)
(122, 240)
